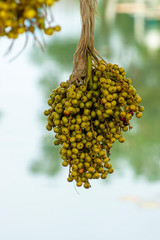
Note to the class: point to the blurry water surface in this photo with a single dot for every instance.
(36, 200)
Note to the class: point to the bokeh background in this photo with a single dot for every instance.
(36, 201)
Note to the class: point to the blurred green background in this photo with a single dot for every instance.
(36, 200)
(132, 41)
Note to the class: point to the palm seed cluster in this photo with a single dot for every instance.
(19, 16)
(87, 120)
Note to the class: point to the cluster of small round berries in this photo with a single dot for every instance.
(89, 118)
(19, 16)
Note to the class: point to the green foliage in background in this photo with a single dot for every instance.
(116, 42)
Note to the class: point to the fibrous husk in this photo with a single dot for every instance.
(86, 42)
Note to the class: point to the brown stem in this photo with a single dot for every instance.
(86, 43)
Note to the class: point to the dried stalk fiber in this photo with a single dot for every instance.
(86, 43)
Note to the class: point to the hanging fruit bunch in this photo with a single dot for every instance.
(19, 16)
(90, 111)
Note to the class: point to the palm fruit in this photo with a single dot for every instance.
(17, 17)
(89, 118)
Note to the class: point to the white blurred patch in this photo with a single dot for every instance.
(152, 39)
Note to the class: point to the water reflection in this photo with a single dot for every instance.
(49, 161)
(1, 114)
(142, 203)
(117, 41)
